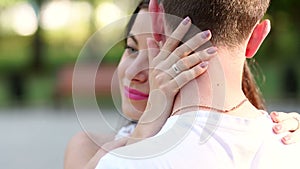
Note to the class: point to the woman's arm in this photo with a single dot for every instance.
(79, 152)
(83, 153)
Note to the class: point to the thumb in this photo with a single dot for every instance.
(153, 49)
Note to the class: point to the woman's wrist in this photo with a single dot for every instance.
(145, 129)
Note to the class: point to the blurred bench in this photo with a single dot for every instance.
(64, 81)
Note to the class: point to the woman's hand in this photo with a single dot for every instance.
(170, 68)
(287, 122)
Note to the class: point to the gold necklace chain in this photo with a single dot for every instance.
(211, 108)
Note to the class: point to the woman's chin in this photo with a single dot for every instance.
(132, 112)
(133, 109)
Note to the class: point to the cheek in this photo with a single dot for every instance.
(122, 67)
(121, 74)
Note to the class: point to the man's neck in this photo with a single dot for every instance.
(219, 88)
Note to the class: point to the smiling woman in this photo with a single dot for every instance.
(133, 69)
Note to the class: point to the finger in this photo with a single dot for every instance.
(153, 50)
(291, 138)
(154, 12)
(176, 37)
(192, 44)
(289, 124)
(273, 116)
(194, 59)
(190, 61)
(188, 47)
(184, 77)
(280, 116)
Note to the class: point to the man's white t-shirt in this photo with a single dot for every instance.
(208, 140)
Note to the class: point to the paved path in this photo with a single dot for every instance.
(36, 138)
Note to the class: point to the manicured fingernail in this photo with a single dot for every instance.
(211, 50)
(203, 64)
(205, 34)
(287, 138)
(275, 113)
(278, 127)
(186, 21)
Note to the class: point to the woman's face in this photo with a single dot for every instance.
(133, 68)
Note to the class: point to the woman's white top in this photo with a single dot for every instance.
(207, 140)
(125, 131)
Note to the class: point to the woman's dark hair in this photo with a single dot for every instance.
(249, 85)
(251, 89)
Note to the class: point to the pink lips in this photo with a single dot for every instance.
(135, 94)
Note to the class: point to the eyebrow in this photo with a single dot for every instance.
(133, 38)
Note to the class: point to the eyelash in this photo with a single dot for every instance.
(130, 50)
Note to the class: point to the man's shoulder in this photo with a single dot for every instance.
(107, 163)
(134, 156)
(113, 160)
(154, 151)
(274, 154)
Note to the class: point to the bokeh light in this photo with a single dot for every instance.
(55, 14)
(20, 18)
(24, 20)
(107, 13)
(66, 21)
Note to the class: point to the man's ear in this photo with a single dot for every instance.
(258, 35)
(157, 20)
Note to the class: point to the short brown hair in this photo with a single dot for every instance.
(230, 21)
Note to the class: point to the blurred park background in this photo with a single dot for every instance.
(40, 41)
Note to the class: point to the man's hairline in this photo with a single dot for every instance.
(235, 46)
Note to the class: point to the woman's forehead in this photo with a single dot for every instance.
(142, 23)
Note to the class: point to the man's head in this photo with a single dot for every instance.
(231, 22)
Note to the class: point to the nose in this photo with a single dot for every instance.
(137, 72)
